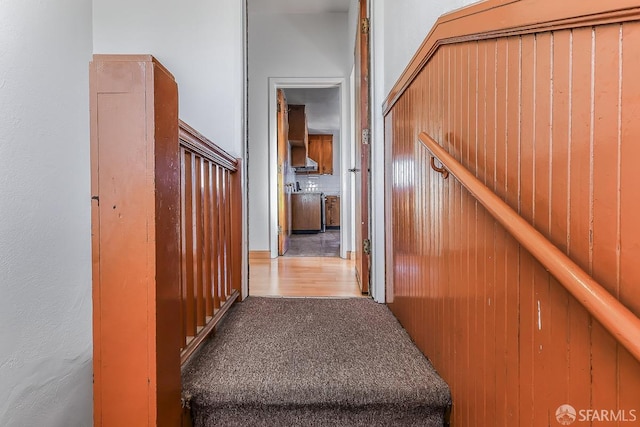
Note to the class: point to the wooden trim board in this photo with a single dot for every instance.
(259, 254)
(500, 18)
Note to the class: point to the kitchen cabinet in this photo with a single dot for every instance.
(306, 212)
(298, 156)
(332, 211)
(298, 134)
(321, 150)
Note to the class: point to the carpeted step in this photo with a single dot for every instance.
(312, 362)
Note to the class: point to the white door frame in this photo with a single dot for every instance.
(276, 83)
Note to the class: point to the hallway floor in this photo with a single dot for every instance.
(303, 277)
(325, 244)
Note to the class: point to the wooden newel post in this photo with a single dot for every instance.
(236, 229)
(135, 212)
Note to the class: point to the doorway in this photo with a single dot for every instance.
(314, 40)
(310, 211)
(328, 114)
(310, 275)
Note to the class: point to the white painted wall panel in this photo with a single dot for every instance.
(45, 250)
(406, 24)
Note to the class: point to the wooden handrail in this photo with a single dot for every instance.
(197, 143)
(611, 313)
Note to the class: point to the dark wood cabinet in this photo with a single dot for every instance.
(297, 124)
(306, 209)
(321, 150)
(332, 212)
(298, 156)
(298, 135)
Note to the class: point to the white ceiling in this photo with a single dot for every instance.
(321, 105)
(298, 6)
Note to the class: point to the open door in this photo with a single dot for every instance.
(284, 192)
(363, 242)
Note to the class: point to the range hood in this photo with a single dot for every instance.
(309, 166)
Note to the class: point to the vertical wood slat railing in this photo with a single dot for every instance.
(210, 236)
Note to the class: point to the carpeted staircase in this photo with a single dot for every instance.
(312, 362)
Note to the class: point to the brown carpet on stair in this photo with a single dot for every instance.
(312, 362)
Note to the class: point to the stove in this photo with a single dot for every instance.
(323, 223)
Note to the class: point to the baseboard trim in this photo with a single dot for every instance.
(259, 254)
(351, 255)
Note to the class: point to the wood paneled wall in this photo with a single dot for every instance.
(548, 119)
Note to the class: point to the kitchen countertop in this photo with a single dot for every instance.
(317, 192)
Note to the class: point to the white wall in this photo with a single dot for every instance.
(45, 259)
(199, 41)
(353, 22)
(406, 24)
(284, 45)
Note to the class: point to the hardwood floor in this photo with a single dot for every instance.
(303, 277)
